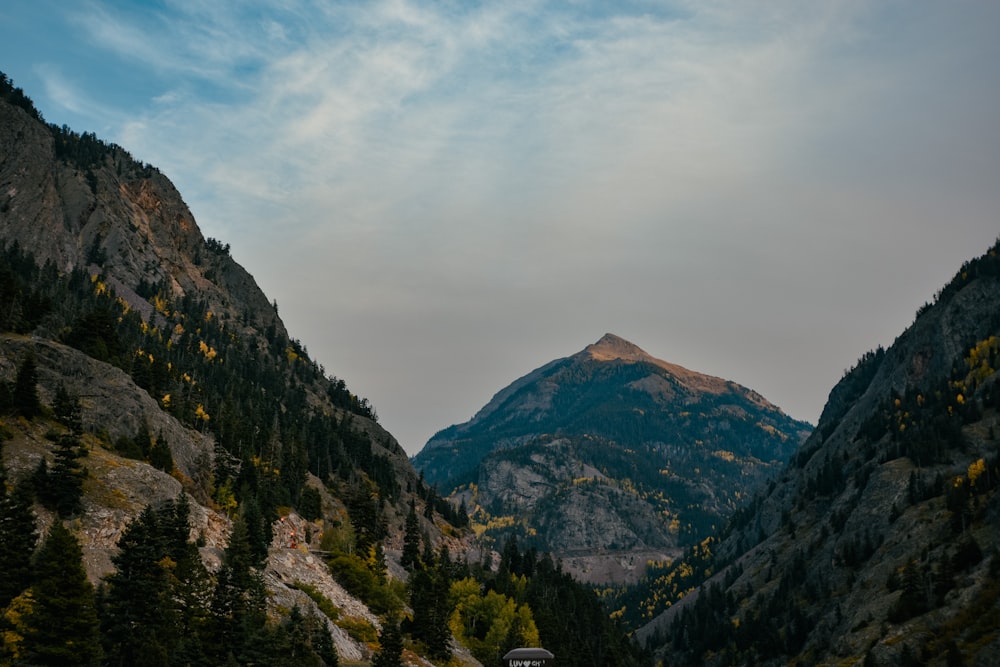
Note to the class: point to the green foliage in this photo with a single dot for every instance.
(246, 390)
(238, 603)
(216, 246)
(136, 615)
(430, 599)
(390, 646)
(60, 487)
(358, 578)
(95, 333)
(301, 641)
(26, 401)
(13, 95)
(410, 557)
(66, 409)
(322, 602)
(531, 601)
(18, 536)
(60, 628)
(310, 504)
(24, 303)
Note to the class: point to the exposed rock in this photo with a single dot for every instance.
(881, 535)
(611, 454)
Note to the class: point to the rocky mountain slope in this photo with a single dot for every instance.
(158, 334)
(164, 440)
(879, 544)
(610, 457)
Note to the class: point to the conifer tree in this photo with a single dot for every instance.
(411, 540)
(390, 646)
(160, 456)
(191, 587)
(67, 410)
(430, 599)
(26, 400)
(238, 602)
(175, 524)
(60, 488)
(322, 644)
(61, 628)
(136, 620)
(18, 537)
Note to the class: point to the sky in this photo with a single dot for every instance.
(443, 196)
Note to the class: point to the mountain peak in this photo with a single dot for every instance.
(611, 346)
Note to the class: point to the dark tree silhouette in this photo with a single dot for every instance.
(61, 626)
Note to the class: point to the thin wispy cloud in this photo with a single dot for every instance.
(449, 194)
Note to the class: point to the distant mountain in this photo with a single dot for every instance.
(610, 457)
(162, 437)
(879, 544)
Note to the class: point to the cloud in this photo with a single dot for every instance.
(417, 183)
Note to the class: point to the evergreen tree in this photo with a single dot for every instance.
(293, 645)
(60, 488)
(191, 587)
(26, 401)
(136, 620)
(310, 504)
(322, 644)
(160, 456)
(18, 537)
(61, 628)
(238, 603)
(430, 600)
(175, 524)
(411, 540)
(390, 646)
(67, 410)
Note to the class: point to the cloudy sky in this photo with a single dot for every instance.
(443, 196)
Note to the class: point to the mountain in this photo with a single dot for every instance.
(181, 484)
(610, 457)
(181, 377)
(879, 544)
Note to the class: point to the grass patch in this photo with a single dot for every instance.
(359, 629)
(329, 609)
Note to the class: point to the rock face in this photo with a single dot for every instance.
(126, 217)
(88, 212)
(609, 456)
(880, 542)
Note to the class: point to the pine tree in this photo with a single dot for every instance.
(67, 410)
(191, 587)
(390, 646)
(411, 540)
(295, 646)
(310, 504)
(61, 626)
(18, 537)
(238, 601)
(160, 456)
(322, 644)
(430, 599)
(175, 524)
(26, 400)
(60, 488)
(438, 636)
(136, 619)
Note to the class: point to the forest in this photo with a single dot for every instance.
(162, 606)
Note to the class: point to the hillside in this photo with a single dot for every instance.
(879, 544)
(610, 458)
(181, 484)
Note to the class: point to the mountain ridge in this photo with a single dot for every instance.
(232, 503)
(658, 440)
(878, 543)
